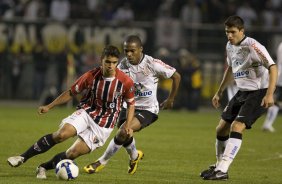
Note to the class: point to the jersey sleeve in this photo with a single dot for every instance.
(262, 54)
(129, 92)
(162, 69)
(80, 84)
(227, 59)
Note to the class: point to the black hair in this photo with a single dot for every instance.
(234, 21)
(110, 50)
(134, 39)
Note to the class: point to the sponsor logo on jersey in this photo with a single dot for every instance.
(241, 74)
(95, 140)
(139, 90)
(144, 93)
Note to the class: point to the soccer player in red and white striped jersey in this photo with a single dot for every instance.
(145, 72)
(105, 89)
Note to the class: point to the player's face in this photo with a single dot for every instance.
(234, 35)
(133, 52)
(109, 64)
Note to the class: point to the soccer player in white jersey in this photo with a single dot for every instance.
(255, 74)
(105, 88)
(145, 72)
(272, 111)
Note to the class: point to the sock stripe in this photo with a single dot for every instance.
(236, 135)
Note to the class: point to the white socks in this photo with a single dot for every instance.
(131, 150)
(113, 148)
(219, 149)
(110, 151)
(232, 147)
(271, 116)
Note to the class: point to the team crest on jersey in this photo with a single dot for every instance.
(117, 94)
(95, 140)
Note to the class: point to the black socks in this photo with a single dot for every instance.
(51, 164)
(42, 145)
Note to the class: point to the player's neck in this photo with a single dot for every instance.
(138, 61)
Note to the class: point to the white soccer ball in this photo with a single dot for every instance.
(66, 170)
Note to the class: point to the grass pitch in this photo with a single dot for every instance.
(177, 148)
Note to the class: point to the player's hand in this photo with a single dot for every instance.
(128, 131)
(215, 101)
(267, 101)
(167, 104)
(43, 109)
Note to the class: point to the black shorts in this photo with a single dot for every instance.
(245, 107)
(146, 118)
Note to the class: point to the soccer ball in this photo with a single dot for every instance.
(67, 170)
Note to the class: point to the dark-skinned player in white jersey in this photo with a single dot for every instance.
(105, 88)
(255, 74)
(145, 72)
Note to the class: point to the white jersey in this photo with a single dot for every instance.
(145, 76)
(250, 62)
(279, 64)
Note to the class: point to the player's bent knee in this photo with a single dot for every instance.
(122, 136)
(60, 137)
(73, 153)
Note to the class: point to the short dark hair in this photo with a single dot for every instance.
(134, 39)
(110, 50)
(234, 21)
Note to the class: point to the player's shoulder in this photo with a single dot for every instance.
(123, 64)
(93, 72)
(251, 42)
(122, 76)
(151, 62)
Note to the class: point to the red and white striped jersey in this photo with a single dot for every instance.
(250, 62)
(146, 76)
(103, 97)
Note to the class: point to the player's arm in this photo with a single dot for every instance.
(130, 102)
(227, 79)
(268, 99)
(63, 98)
(129, 117)
(168, 103)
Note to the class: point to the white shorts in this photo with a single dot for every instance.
(92, 134)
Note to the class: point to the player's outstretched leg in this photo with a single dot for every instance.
(42, 145)
(99, 164)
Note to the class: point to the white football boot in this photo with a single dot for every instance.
(41, 173)
(15, 161)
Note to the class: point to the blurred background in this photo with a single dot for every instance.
(46, 44)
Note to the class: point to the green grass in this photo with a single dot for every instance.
(177, 147)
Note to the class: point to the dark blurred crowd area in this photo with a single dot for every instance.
(254, 12)
(65, 67)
